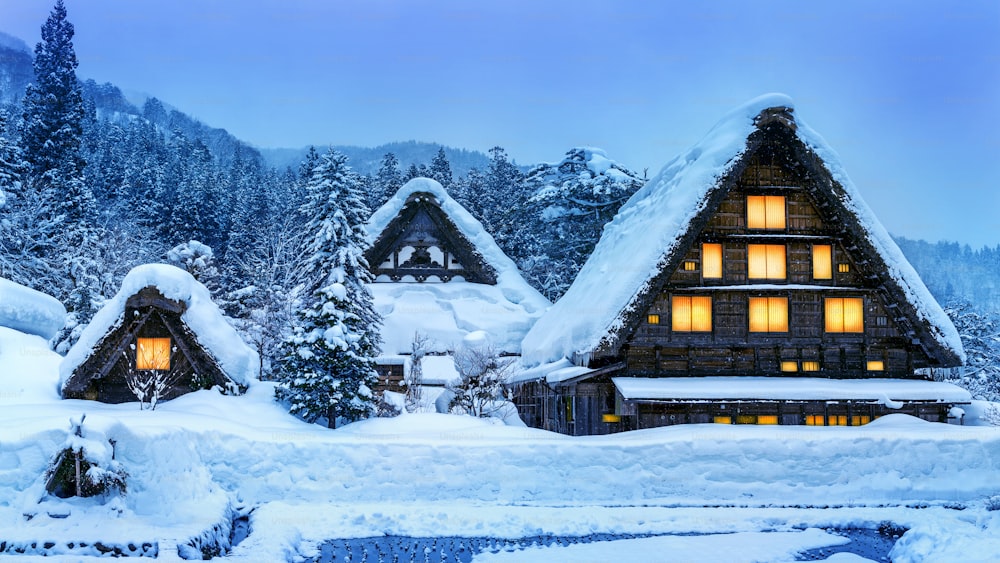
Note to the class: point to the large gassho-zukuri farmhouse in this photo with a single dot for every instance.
(747, 283)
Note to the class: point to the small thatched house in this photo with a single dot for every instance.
(161, 329)
(748, 283)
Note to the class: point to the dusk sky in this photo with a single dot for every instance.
(907, 92)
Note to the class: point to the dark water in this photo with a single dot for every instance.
(871, 544)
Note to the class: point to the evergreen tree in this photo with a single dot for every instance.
(440, 170)
(12, 165)
(65, 238)
(388, 180)
(326, 368)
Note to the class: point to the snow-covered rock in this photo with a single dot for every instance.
(30, 311)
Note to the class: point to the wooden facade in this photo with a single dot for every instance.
(423, 244)
(774, 277)
(148, 315)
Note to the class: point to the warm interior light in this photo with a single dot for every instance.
(766, 212)
(844, 314)
(690, 265)
(152, 353)
(822, 262)
(767, 419)
(815, 420)
(610, 418)
(876, 365)
(711, 261)
(860, 420)
(723, 420)
(768, 314)
(843, 267)
(836, 420)
(766, 261)
(653, 319)
(691, 314)
(810, 366)
(789, 366)
(746, 419)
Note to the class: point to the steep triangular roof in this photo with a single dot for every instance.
(504, 305)
(206, 333)
(648, 238)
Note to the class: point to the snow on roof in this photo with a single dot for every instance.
(636, 244)
(447, 312)
(238, 361)
(29, 311)
(885, 391)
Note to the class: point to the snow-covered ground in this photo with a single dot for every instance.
(197, 462)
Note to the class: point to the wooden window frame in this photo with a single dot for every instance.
(676, 309)
(770, 204)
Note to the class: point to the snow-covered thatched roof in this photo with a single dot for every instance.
(201, 315)
(29, 311)
(448, 311)
(647, 234)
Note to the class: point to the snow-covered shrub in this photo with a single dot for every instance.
(980, 333)
(993, 503)
(414, 378)
(85, 467)
(479, 390)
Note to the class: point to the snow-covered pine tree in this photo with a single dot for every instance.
(66, 236)
(12, 165)
(570, 203)
(980, 334)
(326, 369)
(440, 169)
(388, 180)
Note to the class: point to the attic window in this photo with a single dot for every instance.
(768, 314)
(844, 314)
(152, 353)
(711, 261)
(843, 267)
(822, 262)
(766, 261)
(690, 265)
(691, 314)
(653, 319)
(766, 212)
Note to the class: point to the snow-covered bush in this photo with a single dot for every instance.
(483, 375)
(414, 378)
(980, 333)
(85, 467)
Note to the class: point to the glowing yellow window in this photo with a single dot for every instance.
(768, 314)
(810, 366)
(723, 420)
(690, 265)
(711, 261)
(767, 419)
(653, 319)
(766, 212)
(815, 420)
(843, 267)
(610, 418)
(837, 420)
(822, 262)
(152, 353)
(876, 365)
(844, 314)
(766, 261)
(860, 420)
(789, 366)
(691, 314)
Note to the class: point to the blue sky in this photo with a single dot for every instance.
(907, 92)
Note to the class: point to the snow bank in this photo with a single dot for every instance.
(203, 317)
(30, 311)
(635, 245)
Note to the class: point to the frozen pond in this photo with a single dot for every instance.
(870, 544)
